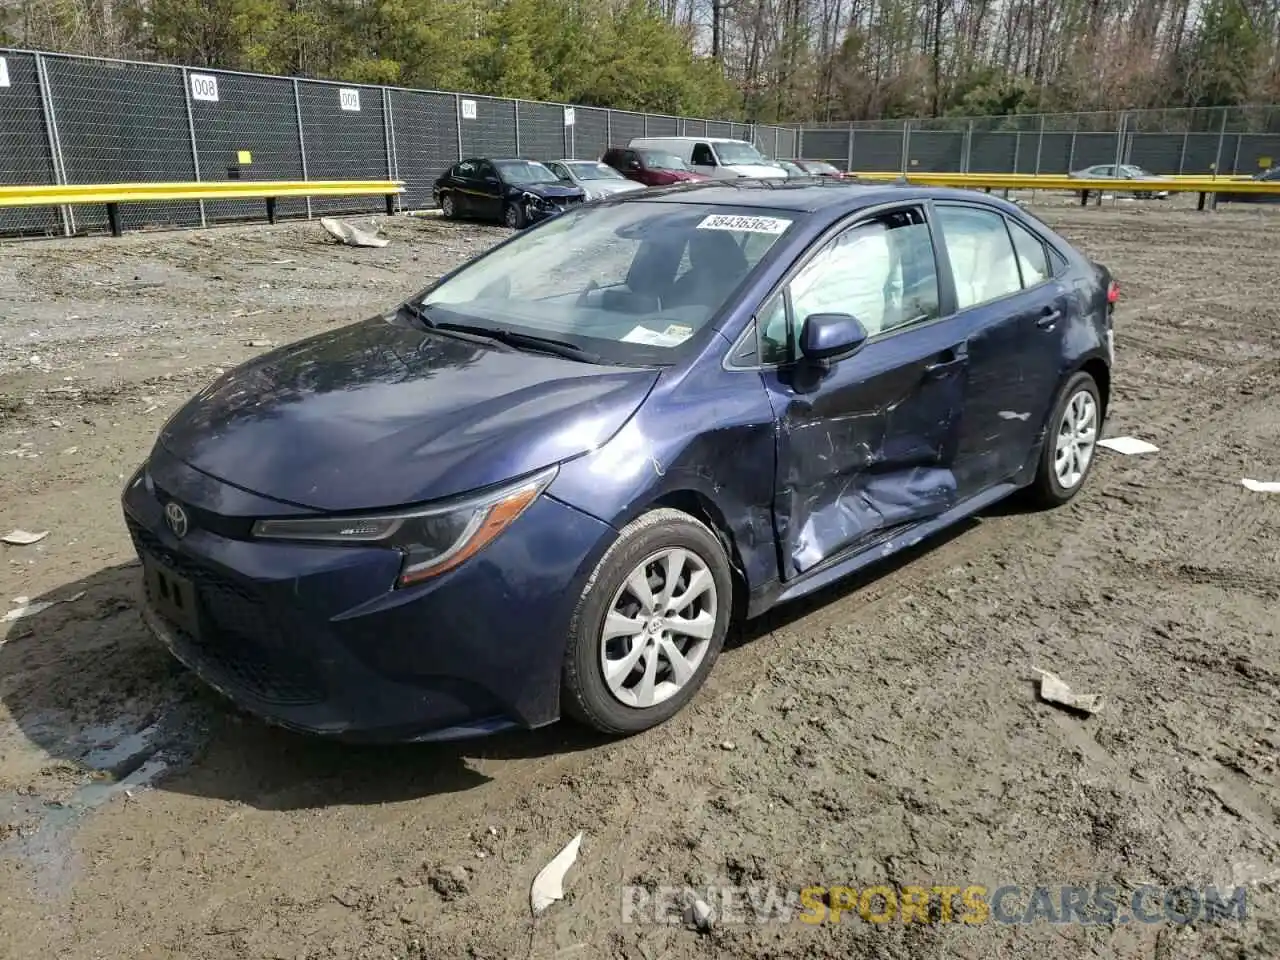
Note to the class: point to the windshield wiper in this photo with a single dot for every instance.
(509, 338)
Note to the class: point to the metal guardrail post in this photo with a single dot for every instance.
(55, 144)
(1222, 135)
(302, 142)
(191, 130)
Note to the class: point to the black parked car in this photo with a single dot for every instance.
(513, 192)
(1266, 176)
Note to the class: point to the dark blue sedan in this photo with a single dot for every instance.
(548, 483)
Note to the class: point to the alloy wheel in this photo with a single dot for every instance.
(659, 627)
(446, 205)
(1077, 437)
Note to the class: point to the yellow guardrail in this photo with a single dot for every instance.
(114, 194)
(1203, 185)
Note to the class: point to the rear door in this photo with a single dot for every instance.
(866, 447)
(490, 192)
(465, 176)
(1011, 311)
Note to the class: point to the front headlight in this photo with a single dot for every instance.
(432, 539)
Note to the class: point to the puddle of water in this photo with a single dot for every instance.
(116, 759)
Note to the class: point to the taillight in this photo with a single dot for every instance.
(1113, 293)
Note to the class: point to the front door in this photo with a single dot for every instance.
(866, 447)
(1012, 312)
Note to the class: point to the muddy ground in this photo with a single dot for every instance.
(885, 732)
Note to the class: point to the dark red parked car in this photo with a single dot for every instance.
(653, 168)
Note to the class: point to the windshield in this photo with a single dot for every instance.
(524, 171)
(629, 284)
(657, 160)
(594, 171)
(731, 153)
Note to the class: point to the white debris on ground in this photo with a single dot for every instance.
(1128, 445)
(1053, 690)
(548, 885)
(352, 235)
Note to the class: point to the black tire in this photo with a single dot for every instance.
(513, 216)
(585, 696)
(448, 207)
(1046, 490)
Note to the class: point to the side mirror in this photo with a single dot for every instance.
(633, 164)
(826, 338)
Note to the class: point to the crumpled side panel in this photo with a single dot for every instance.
(848, 477)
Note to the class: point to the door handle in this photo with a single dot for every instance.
(1049, 320)
(954, 358)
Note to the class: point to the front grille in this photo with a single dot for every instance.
(240, 644)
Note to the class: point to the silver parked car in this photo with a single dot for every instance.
(1125, 171)
(598, 180)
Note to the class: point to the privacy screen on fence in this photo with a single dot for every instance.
(79, 120)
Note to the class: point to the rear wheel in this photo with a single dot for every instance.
(513, 216)
(447, 207)
(1070, 443)
(649, 624)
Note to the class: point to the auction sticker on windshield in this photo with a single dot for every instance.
(723, 221)
(673, 336)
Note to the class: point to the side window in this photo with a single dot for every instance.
(558, 171)
(1032, 261)
(702, 154)
(485, 169)
(631, 157)
(982, 259)
(465, 169)
(881, 271)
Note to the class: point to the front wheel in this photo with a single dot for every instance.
(448, 207)
(513, 216)
(1070, 443)
(649, 624)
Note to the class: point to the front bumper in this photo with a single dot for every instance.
(314, 637)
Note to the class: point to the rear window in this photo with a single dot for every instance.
(661, 160)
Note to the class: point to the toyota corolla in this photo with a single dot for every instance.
(547, 484)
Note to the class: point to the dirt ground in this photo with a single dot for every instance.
(886, 732)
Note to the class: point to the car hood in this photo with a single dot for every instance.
(756, 170)
(615, 186)
(548, 191)
(380, 413)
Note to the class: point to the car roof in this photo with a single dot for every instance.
(810, 196)
(645, 141)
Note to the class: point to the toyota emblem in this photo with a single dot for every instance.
(176, 518)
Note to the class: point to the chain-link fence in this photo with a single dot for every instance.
(79, 120)
(1235, 140)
